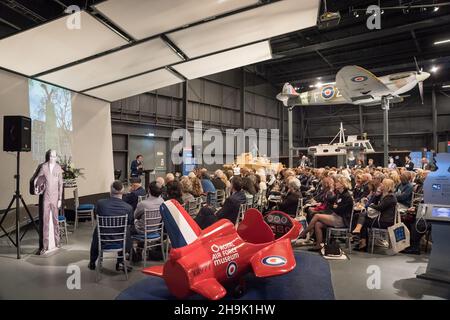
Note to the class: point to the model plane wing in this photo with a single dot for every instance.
(210, 289)
(274, 260)
(356, 83)
(154, 271)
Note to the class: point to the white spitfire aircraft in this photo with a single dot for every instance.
(356, 85)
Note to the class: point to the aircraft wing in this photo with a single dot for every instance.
(274, 260)
(210, 289)
(356, 83)
(156, 271)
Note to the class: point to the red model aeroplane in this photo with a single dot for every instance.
(202, 260)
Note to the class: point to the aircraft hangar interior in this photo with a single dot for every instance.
(225, 150)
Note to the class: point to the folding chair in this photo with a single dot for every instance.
(242, 209)
(192, 207)
(112, 234)
(82, 211)
(342, 233)
(220, 197)
(62, 222)
(153, 233)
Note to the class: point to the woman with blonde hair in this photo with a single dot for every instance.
(395, 177)
(197, 189)
(186, 189)
(387, 209)
(220, 180)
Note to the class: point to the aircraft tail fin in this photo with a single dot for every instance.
(181, 228)
(287, 93)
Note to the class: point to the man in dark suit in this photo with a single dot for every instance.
(137, 166)
(114, 206)
(409, 165)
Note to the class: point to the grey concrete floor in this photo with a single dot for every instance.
(38, 277)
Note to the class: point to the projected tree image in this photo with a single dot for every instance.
(51, 112)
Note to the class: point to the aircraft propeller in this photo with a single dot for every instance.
(419, 83)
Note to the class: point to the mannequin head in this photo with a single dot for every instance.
(391, 160)
(50, 156)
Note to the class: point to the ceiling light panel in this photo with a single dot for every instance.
(246, 27)
(225, 60)
(140, 58)
(144, 18)
(134, 86)
(53, 44)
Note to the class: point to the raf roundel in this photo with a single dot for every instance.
(359, 79)
(231, 269)
(274, 261)
(328, 92)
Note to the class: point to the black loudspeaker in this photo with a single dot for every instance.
(16, 133)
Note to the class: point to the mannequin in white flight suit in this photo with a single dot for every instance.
(49, 183)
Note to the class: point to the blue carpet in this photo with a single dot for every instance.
(310, 280)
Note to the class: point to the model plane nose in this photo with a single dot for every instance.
(422, 76)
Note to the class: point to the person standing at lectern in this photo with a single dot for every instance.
(49, 184)
(409, 165)
(137, 166)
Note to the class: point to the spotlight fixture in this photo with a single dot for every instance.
(319, 84)
(382, 11)
(446, 86)
(356, 14)
(434, 69)
(435, 9)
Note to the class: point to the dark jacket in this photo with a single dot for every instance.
(132, 197)
(134, 170)
(386, 206)
(404, 193)
(361, 192)
(409, 166)
(218, 184)
(344, 202)
(290, 203)
(229, 210)
(205, 217)
(239, 196)
(115, 207)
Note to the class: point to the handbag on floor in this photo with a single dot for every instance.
(398, 234)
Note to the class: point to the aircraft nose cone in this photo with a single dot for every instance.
(422, 76)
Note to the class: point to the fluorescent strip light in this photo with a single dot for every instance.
(446, 86)
(441, 42)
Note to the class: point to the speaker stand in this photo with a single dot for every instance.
(17, 198)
